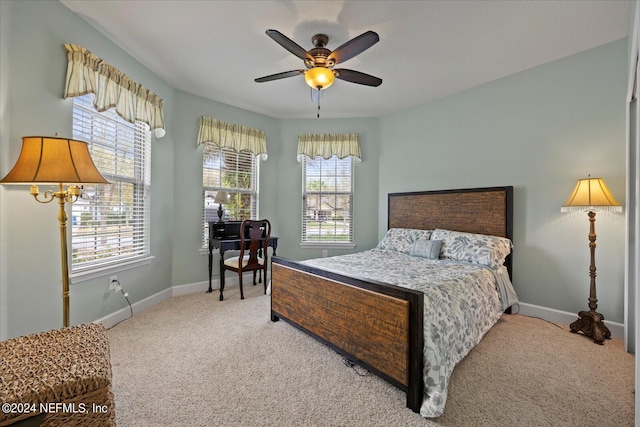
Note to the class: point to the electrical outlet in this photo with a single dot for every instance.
(113, 283)
(325, 253)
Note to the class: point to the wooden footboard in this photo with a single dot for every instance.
(377, 325)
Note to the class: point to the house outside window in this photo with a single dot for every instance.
(327, 200)
(111, 223)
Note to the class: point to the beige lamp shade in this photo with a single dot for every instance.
(54, 160)
(591, 194)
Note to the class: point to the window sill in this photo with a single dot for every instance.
(106, 270)
(327, 245)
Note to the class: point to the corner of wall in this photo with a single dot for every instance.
(5, 11)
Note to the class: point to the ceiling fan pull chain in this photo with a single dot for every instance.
(318, 103)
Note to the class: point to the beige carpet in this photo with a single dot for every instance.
(196, 361)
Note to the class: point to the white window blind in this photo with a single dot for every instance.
(111, 223)
(235, 173)
(327, 200)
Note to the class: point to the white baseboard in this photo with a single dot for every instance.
(565, 318)
(193, 288)
(549, 314)
(116, 317)
(113, 319)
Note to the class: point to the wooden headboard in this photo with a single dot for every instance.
(471, 210)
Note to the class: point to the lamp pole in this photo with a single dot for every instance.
(63, 196)
(590, 322)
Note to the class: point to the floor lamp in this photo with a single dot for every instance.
(591, 195)
(56, 161)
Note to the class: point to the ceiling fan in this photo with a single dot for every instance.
(320, 61)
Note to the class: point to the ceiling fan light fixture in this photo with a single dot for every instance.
(319, 77)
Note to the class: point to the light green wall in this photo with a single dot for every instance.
(30, 290)
(539, 130)
(280, 182)
(189, 264)
(5, 34)
(289, 192)
(34, 67)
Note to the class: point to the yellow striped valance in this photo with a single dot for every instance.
(86, 73)
(327, 145)
(237, 137)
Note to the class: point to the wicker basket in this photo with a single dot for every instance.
(65, 374)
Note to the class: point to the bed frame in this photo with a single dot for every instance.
(376, 325)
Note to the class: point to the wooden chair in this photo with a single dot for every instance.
(254, 243)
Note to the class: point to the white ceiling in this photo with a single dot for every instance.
(427, 49)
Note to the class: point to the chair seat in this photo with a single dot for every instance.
(254, 241)
(234, 261)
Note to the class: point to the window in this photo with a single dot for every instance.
(110, 223)
(235, 173)
(327, 200)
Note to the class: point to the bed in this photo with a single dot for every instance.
(392, 310)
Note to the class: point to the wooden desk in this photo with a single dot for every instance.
(230, 244)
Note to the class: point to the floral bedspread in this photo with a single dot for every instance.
(460, 305)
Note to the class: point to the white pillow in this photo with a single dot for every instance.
(474, 248)
(401, 239)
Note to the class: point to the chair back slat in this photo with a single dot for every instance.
(258, 233)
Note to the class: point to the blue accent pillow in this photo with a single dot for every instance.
(426, 249)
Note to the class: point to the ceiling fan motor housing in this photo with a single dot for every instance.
(320, 53)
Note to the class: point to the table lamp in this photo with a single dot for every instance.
(221, 197)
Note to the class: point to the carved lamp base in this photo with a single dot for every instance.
(591, 324)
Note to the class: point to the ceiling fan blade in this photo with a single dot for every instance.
(357, 77)
(279, 76)
(289, 44)
(354, 47)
